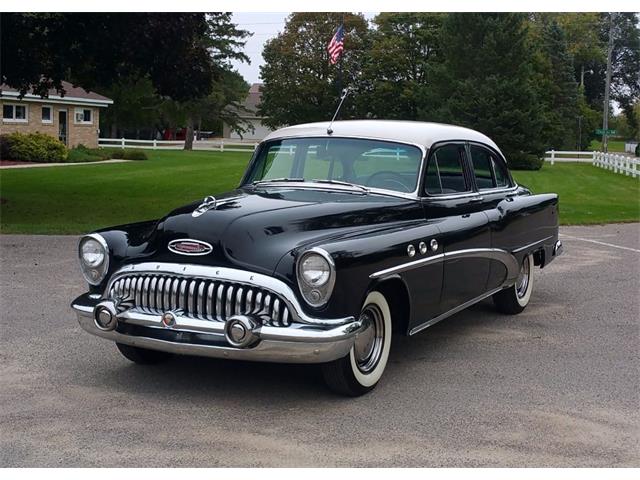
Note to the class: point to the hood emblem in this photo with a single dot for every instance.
(208, 203)
(187, 246)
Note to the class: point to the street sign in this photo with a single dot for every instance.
(610, 131)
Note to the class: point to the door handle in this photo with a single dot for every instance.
(476, 199)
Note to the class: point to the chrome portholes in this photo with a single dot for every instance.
(522, 282)
(423, 248)
(433, 244)
(369, 342)
(411, 250)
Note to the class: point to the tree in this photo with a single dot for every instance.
(135, 104)
(299, 83)
(486, 82)
(556, 85)
(398, 68)
(180, 53)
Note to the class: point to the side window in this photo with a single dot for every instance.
(481, 160)
(445, 171)
(502, 177)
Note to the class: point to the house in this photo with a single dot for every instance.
(251, 105)
(73, 119)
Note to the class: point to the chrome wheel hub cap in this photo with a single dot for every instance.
(369, 342)
(522, 283)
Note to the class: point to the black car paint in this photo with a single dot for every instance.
(263, 229)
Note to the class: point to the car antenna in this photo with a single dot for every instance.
(345, 92)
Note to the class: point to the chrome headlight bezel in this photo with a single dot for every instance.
(94, 274)
(316, 295)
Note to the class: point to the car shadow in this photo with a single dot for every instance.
(236, 380)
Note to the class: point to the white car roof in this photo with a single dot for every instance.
(421, 133)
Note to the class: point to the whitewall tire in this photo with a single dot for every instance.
(513, 300)
(361, 369)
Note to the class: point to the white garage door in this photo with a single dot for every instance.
(260, 131)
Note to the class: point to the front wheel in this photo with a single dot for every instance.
(513, 300)
(360, 370)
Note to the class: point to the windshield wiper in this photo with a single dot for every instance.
(340, 182)
(276, 180)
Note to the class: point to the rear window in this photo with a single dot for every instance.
(445, 171)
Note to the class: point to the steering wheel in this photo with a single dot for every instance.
(391, 178)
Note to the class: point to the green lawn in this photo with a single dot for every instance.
(615, 146)
(81, 198)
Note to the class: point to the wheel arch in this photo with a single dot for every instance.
(396, 293)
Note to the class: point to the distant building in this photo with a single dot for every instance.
(251, 104)
(73, 119)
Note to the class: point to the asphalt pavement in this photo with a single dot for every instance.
(555, 386)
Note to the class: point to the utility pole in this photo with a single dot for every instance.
(605, 113)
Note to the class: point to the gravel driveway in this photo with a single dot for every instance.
(555, 386)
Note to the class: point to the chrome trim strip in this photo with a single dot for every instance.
(221, 274)
(492, 253)
(453, 311)
(532, 244)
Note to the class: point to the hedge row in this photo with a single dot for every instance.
(42, 148)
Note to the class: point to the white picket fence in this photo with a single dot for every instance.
(625, 164)
(220, 145)
(618, 163)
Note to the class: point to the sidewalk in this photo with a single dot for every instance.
(6, 164)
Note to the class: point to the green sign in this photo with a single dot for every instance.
(610, 131)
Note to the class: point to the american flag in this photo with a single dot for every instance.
(336, 45)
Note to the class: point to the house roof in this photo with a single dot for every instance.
(73, 94)
(252, 101)
(420, 133)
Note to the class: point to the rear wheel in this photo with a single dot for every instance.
(360, 370)
(513, 300)
(142, 356)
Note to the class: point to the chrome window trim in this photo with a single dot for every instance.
(413, 195)
(258, 280)
(432, 151)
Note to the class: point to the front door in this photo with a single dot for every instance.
(62, 126)
(454, 205)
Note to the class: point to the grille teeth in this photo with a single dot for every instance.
(202, 299)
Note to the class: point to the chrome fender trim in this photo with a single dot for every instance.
(506, 258)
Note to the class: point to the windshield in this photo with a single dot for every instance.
(369, 163)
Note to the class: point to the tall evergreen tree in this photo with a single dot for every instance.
(556, 85)
(399, 68)
(299, 83)
(486, 82)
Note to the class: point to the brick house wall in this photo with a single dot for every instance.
(77, 133)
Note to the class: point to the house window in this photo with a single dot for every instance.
(83, 115)
(14, 113)
(47, 114)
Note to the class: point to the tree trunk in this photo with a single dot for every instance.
(188, 139)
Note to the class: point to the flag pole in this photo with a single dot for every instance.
(340, 60)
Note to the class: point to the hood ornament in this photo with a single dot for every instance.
(208, 203)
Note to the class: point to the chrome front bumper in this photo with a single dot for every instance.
(297, 343)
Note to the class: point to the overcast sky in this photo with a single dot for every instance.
(264, 26)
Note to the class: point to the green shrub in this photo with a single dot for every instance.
(524, 161)
(128, 154)
(80, 153)
(33, 147)
(135, 155)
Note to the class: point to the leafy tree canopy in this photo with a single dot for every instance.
(180, 53)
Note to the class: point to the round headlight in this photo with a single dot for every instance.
(316, 276)
(315, 270)
(92, 252)
(94, 258)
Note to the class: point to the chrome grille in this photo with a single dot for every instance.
(200, 298)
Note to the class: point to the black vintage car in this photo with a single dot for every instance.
(336, 238)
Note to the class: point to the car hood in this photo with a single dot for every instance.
(254, 228)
